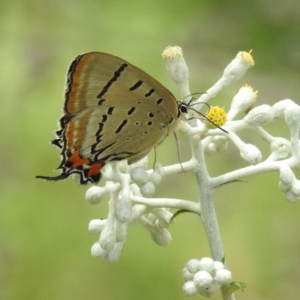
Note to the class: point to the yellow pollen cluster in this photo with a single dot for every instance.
(248, 58)
(172, 52)
(255, 93)
(217, 115)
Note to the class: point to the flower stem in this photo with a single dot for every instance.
(208, 212)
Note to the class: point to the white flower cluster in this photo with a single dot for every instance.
(204, 277)
(127, 186)
(130, 188)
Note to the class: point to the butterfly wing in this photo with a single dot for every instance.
(113, 111)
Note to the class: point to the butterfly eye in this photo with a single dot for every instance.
(183, 107)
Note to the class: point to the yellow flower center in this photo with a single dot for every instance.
(217, 115)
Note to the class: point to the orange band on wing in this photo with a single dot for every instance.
(95, 169)
(76, 160)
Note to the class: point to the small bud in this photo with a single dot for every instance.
(223, 277)
(97, 251)
(251, 154)
(190, 289)
(114, 254)
(218, 144)
(123, 211)
(187, 275)
(242, 101)
(121, 232)
(139, 176)
(281, 148)
(296, 188)
(148, 189)
(95, 194)
(291, 197)
(286, 176)
(259, 115)
(155, 177)
(209, 291)
(218, 265)
(279, 108)
(203, 279)
(107, 238)
(162, 237)
(292, 116)
(193, 265)
(96, 226)
(207, 264)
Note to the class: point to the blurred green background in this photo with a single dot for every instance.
(44, 242)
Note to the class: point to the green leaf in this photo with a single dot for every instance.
(232, 287)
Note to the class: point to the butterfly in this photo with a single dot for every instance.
(112, 111)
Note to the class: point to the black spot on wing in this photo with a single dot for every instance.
(110, 110)
(121, 126)
(112, 80)
(150, 93)
(136, 85)
(131, 111)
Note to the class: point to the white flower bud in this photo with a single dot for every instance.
(210, 290)
(207, 264)
(279, 108)
(187, 275)
(177, 68)
(281, 148)
(259, 115)
(292, 116)
(123, 211)
(286, 176)
(96, 226)
(237, 67)
(242, 101)
(161, 171)
(148, 189)
(114, 254)
(190, 289)
(284, 187)
(95, 194)
(223, 277)
(97, 251)
(121, 232)
(203, 279)
(155, 177)
(250, 153)
(162, 237)
(291, 197)
(218, 265)
(139, 176)
(296, 188)
(193, 265)
(107, 238)
(205, 283)
(218, 144)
